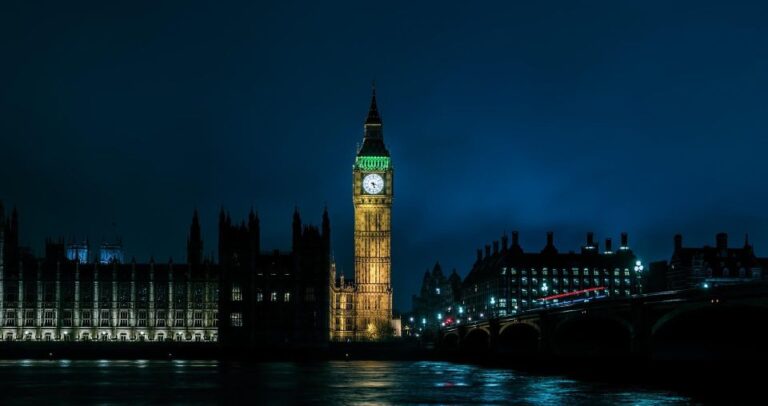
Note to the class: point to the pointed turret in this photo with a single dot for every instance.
(223, 231)
(296, 230)
(15, 221)
(426, 282)
(253, 218)
(326, 229)
(195, 242)
(437, 271)
(254, 235)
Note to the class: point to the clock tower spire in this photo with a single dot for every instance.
(373, 132)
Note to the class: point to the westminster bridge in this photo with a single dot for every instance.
(718, 322)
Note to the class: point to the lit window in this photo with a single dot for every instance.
(48, 319)
(273, 297)
(104, 321)
(287, 297)
(259, 297)
(236, 319)
(237, 294)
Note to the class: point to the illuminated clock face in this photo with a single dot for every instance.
(373, 183)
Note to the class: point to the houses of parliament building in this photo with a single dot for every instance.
(247, 297)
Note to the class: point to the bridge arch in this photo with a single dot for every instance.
(476, 340)
(521, 339)
(516, 323)
(711, 331)
(451, 340)
(593, 336)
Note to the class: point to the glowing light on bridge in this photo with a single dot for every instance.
(574, 293)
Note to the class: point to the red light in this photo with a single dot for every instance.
(578, 292)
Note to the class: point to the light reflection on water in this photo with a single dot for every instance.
(358, 382)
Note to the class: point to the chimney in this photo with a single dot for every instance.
(722, 241)
(479, 255)
(678, 242)
(495, 247)
(624, 240)
(515, 239)
(608, 245)
(590, 239)
(504, 242)
(550, 238)
(487, 250)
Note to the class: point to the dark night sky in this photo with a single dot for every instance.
(602, 116)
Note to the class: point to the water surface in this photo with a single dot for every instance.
(357, 382)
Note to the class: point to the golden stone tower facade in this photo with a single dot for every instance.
(372, 187)
(362, 309)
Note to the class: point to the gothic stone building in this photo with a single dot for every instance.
(267, 298)
(506, 280)
(57, 298)
(272, 298)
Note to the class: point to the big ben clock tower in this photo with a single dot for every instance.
(372, 190)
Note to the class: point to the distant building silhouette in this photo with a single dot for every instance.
(704, 266)
(438, 294)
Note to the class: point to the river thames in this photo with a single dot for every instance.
(28, 382)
